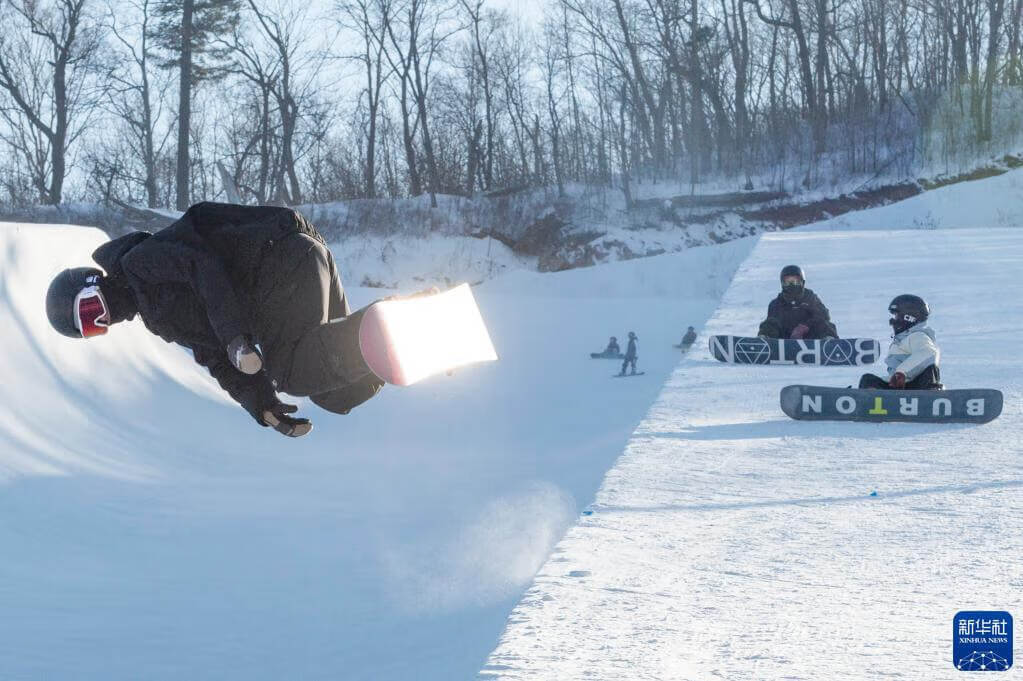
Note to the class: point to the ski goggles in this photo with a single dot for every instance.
(90, 309)
(791, 281)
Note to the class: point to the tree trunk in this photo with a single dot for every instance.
(182, 174)
(58, 144)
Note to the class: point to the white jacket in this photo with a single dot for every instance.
(912, 351)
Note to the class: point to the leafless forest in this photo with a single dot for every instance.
(157, 102)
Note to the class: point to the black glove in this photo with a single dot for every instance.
(244, 355)
(276, 416)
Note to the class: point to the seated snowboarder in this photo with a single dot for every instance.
(613, 347)
(913, 356)
(689, 338)
(222, 280)
(630, 355)
(797, 312)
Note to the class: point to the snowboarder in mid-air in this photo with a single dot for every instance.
(913, 356)
(797, 312)
(222, 280)
(630, 355)
(688, 339)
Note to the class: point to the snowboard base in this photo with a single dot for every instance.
(813, 352)
(816, 403)
(407, 339)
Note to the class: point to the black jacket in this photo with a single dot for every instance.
(784, 315)
(630, 352)
(203, 280)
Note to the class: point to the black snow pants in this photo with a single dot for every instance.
(929, 379)
(310, 341)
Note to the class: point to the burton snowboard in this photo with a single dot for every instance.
(405, 340)
(812, 352)
(816, 403)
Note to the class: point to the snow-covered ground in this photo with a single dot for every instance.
(731, 542)
(150, 530)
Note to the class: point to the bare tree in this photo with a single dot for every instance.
(47, 53)
(371, 20)
(136, 93)
(417, 36)
(283, 28)
(483, 25)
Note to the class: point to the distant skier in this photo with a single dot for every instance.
(220, 281)
(630, 355)
(688, 339)
(797, 312)
(913, 356)
(612, 347)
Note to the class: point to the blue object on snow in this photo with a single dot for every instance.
(874, 493)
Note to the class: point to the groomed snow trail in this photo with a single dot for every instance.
(729, 542)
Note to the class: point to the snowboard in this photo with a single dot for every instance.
(605, 355)
(404, 340)
(811, 352)
(815, 403)
(638, 373)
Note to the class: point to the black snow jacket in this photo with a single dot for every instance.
(630, 352)
(205, 279)
(784, 315)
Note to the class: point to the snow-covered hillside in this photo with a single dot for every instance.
(994, 202)
(151, 530)
(731, 542)
(608, 232)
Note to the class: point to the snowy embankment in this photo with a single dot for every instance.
(993, 202)
(443, 256)
(731, 542)
(150, 529)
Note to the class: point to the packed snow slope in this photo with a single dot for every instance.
(729, 542)
(149, 529)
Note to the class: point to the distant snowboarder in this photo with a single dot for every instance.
(612, 351)
(219, 281)
(797, 312)
(688, 339)
(913, 356)
(630, 355)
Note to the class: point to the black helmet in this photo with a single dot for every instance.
(632, 334)
(906, 311)
(60, 298)
(792, 271)
(792, 291)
